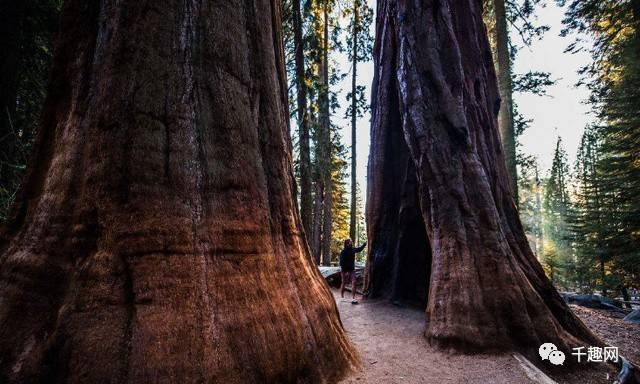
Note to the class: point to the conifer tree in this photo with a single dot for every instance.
(359, 48)
(614, 80)
(589, 208)
(556, 252)
(27, 30)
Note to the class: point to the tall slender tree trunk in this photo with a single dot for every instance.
(538, 214)
(505, 85)
(625, 296)
(354, 114)
(327, 160)
(326, 222)
(316, 245)
(318, 185)
(157, 238)
(603, 275)
(435, 91)
(306, 201)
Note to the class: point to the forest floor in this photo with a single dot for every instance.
(615, 331)
(393, 350)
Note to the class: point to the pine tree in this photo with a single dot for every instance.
(27, 29)
(359, 48)
(530, 207)
(341, 208)
(295, 46)
(556, 251)
(587, 220)
(614, 81)
(323, 38)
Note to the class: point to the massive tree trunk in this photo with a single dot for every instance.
(505, 85)
(157, 238)
(435, 101)
(399, 258)
(306, 201)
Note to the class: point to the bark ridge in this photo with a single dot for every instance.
(435, 103)
(157, 238)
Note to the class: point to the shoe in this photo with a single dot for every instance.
(354, 301)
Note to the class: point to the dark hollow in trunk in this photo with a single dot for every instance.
(435, 104)
(399, 260)
(157, 238)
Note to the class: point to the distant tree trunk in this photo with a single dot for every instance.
(326, 223)
(603, 276)
(316, 242)
(306, 201)
(539, 215)
(318, 184)
(625, 296)
(12, 14)
(505, 85)
(157, 238)
(353, 214)
(326, 160)
(435, 82)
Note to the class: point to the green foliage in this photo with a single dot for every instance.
(558, 266)
(359, 31)
(25, 60)
(530, 203)
(327, 155)
(608, 206)
(535, 82)
(341, 204)
(588, 211)
(556, 208)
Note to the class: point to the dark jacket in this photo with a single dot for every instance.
(348, 258)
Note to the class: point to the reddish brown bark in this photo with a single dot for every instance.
(435, 83)
(399, 258)
(326, 160)
(157, 238)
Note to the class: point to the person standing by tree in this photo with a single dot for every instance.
(347, 266)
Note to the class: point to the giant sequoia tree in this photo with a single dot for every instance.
(437, 173)
(156, 238)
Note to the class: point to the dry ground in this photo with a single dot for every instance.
(392, 349)
(615, 331)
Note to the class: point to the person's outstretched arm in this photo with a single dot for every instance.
(360, 248)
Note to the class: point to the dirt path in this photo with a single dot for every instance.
(615, 331)
(392, 349)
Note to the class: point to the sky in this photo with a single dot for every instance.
(561, 113)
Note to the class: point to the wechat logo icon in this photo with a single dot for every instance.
(548, 351)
